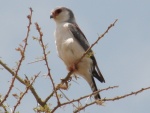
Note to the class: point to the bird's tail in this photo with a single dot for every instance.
(94, 89)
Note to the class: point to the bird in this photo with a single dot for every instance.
(71, 44)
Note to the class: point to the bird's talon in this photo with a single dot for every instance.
(63, 80)
(70, 79)
(73, 68)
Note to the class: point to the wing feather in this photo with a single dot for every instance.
(81, 39)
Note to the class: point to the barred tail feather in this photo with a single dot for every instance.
(94, 88)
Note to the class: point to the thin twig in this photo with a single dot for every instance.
(67, 98)
(49, 97)
(35, 61)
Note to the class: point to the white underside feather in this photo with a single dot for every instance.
(69, 50)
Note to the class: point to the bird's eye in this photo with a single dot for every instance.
(58, 11)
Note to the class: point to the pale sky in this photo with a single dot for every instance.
(123, 55)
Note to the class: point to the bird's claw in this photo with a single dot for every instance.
(64, 80)
(72, 68)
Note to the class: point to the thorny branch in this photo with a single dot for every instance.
(126, 95)
(79, 99)
(46, 61)
(111, 99)
(22, 51)
(23, 82)
(28, 85)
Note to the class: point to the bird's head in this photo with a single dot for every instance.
(62, 14)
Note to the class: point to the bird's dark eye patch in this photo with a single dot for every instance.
(58, 11)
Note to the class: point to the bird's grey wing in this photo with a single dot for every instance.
(80, 37)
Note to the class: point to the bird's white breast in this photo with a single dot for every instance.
(69, 50)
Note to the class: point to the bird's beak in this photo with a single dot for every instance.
(51, 16)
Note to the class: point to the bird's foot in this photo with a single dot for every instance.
(62, 86)
(72, 68)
